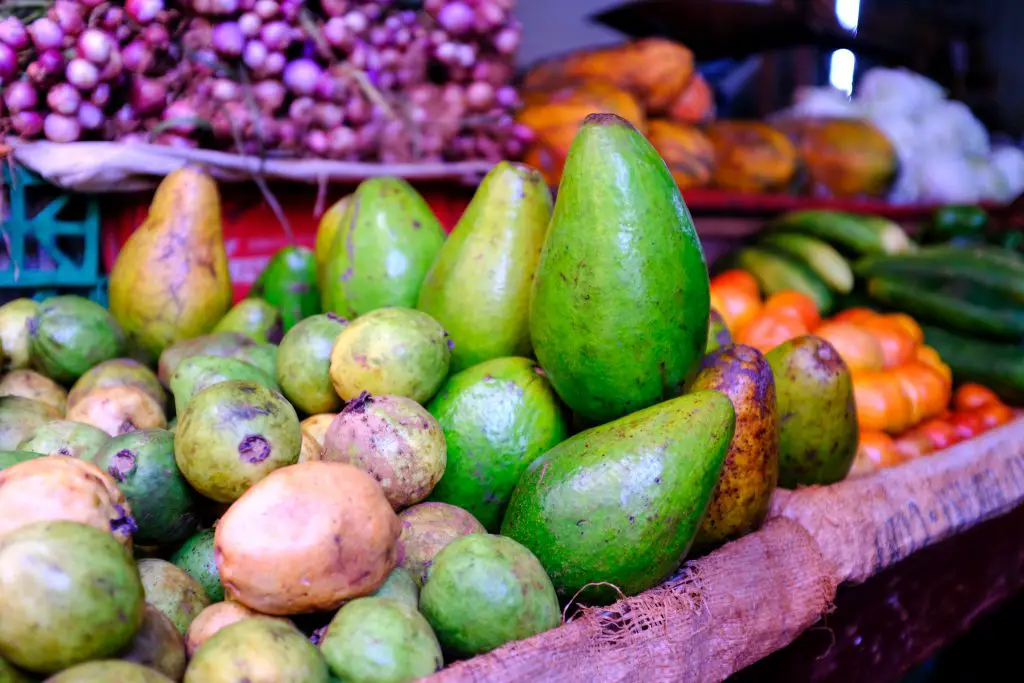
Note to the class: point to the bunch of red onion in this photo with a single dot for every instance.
(388, 80)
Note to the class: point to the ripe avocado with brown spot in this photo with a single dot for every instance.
(751, 471)
(621, 503)
(817, 412)
(619, 314)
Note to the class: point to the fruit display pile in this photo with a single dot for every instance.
(911, 318)
(899, 138)
(401, 450)
(370, 80)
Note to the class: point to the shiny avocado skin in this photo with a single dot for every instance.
(619, 313)
(497, 418)
(387, 241)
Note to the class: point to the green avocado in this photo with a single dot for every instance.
(619, 316)
(142, 464)
(196, 557)
(199, 372)
(69, 335)
(382, 251)
(289, 283)
(479, 286)
(497, 418)
(255, 318)
(621, 503)
(817, 412)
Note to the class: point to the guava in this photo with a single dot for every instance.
(119, 410)
(64, 437)
(14, 320)
(19, 417)
(223, 344)
(196, 557)
(200, 372)
(257, 650)
(427, 528)
(69, 335)
(31, 384)
(118, 372)
(157, 645)
(172, 591)
(400, 586)
(304, 363)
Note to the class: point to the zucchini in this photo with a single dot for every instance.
(861, 235)
(924, 302)
(818, 255)
(776, 272)
(998, 270)
(999, 367)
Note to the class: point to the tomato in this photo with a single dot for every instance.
(930, 357)
(973, 396)
(854, 315)
(940, 433)
(737, 279)
(925, 388)
(897, 346)
(875, 451)
(907, 324)
(967, 424)
(768, 330)
(914, 444)
(798, 302)
(994, 414)
(881, 403)
(736, 306)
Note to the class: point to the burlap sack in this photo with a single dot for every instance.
(756, 595)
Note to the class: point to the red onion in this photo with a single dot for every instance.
(317, 142)
(90, 117)
(148, 95)
(255, 54)
(301, 111)
(143, 11)
(216, 7)
(174, 140)
(8, 61)
(13, 33)
(341, 141)
(277, 35)
(156, 36)
(46, 34)
(59, 128)
(456, 17)
(507, 97)
(82, 74)
(330, 87)
(266, 9)
(273, 65)
(335, 8)
(100, 95)
(356, 21)
(20, 96)
(91, 4)
(133, 139)
(113, 19)
(136, 57)
(184, 115)
(225, 90)
(250, 25)
(479, 96)
(113, 67)
(507, 41)
(64, 98)
(126, 119)
(95, 45)
(269, 95)
(301, 75)
(228, 39)
(27, 124)
(335, 32)
(328, 116)
(358, 111)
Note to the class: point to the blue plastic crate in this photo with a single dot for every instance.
(49, 238)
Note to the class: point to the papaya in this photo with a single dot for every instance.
(695, 104)
(818, 433)
(479, 286)
(289, 283)
(843, 157)
(554, 117)
(751, 156)
(687, 152)
(751, 472)
(381, 253)
(655, 70)
(170, 281)
(620, 301)
(620, 504)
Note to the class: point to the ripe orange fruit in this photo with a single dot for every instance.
(768, 330)
(859, 349)
(967, 424)
(875, 451)
(973, 396)
(736, 306)
(881, 404)
(897, 345)
(854, 315)
(907, 324)
(914, 444)
(940, 433)
(925, 388)
(800, 303)
(736, 279)
(931, 358)
(994, 414)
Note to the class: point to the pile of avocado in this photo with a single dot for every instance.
(400, 449)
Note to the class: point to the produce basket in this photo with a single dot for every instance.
(727, 610)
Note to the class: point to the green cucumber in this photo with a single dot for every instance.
(999, 367)
(819, 256)
(1000, 271)
(924, 302)
(776, 272)
(861, 235)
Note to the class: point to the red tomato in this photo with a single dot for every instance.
(940, 433)
(967, 424)
(994, 414)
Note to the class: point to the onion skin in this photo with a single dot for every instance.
(13, 33)
(59, 128)
(64, 98)
(46, 34)
(82, 74)
(20, 96)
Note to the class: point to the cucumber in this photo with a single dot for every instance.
(819, 256)
(1000, 271)
(924, 302)
(997, 366)
(861, 235)
(776, 272)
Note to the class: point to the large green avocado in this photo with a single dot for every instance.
(69, 335)
(619, 315)
(621, 503)
(382, 251)
(497, 417)
(479, 286)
